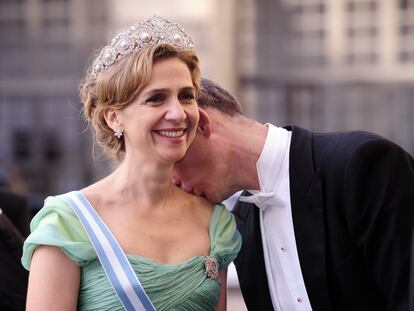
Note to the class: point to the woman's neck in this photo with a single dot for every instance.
(149, 182)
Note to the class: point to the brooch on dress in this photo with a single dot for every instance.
(211, 266)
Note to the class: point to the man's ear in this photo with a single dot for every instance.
(204, 124)
(112, 118)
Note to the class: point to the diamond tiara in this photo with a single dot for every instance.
(153, 30)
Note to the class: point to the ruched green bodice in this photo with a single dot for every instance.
(183, 286)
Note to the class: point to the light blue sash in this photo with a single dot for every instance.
(114, 262)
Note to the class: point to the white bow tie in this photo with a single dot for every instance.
(263, 200)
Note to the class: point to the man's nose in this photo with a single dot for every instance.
(187, 188)
(176, 180)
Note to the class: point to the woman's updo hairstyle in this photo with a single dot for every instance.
(119, 84)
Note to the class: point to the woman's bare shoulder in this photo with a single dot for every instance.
(200, 207)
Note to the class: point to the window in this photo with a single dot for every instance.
(56, 21)
(22, 148)
(406, 31)
(361, 34)
(308, 34)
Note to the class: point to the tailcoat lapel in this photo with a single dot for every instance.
(250, 262)
(308, 218)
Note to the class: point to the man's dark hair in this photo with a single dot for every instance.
(213, 95)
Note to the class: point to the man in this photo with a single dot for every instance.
(412, 277)
(16, 207)
(14, 227)
(327, 219)
(13, 284)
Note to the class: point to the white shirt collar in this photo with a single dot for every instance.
(270, 164)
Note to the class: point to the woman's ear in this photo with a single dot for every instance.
(204, 124)
(112, 118)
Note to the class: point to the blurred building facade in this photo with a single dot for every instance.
(329, 65)
(321, 64)
(44, 46)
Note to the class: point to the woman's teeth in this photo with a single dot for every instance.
(172, 133)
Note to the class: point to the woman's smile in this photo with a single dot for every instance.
(171, 133)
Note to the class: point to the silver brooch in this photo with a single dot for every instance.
(211, 266)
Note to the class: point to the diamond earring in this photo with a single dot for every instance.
(118, 133)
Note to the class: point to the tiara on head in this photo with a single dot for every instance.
(153, 30)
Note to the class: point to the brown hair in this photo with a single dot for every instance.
(213, 95)
(121, 83)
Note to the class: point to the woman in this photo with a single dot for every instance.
(140, 97)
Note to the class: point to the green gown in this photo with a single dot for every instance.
(183, 286)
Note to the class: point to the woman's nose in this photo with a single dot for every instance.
(175, 111)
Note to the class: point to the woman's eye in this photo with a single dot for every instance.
(187, 96)
(155, 100)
